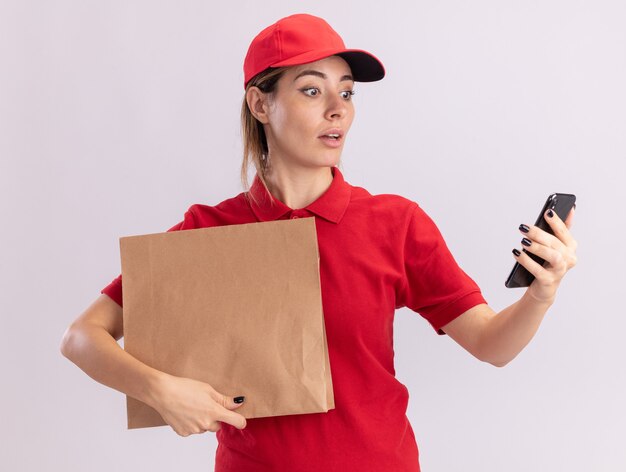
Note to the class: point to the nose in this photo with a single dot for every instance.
(336, 107)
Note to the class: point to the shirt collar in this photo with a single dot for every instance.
(331, 205)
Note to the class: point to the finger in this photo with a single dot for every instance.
(553, 257)
(524, 259)
(558, 228)
(234, 402)
(213, 426)
(540, 236)
(232, 418)
(226, 404)
(230, 403)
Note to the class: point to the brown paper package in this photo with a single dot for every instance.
(238, 307)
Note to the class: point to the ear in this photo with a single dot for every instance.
(258, 104)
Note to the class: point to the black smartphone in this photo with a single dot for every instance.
(561, 204)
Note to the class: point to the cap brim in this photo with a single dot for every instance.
(365, 66)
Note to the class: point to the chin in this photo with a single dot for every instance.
(329, 163)
(331, 160)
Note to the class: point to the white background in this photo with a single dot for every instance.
(116, 116)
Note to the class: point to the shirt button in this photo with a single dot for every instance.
(293, 217)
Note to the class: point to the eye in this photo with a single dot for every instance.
(347, 94)
(311, 91)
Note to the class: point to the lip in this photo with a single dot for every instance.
(332, 142)
(338, 131)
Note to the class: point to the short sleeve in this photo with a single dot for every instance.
(114, 289)
(434, 284)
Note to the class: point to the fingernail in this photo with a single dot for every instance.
(526, 242)
(516, 252)
(550, 213)
(524, 229)
(239, 399)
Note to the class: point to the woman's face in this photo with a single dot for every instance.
(310, 114)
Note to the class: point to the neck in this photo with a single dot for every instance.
(298, 187)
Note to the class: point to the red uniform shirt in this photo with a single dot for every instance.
(377, 253)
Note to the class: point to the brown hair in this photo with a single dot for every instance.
(255, 148)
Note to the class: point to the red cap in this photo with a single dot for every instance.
(300, 39)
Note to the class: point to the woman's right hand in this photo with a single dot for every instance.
(188, 406)
(192, 407)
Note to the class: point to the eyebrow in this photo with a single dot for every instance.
(321, 75)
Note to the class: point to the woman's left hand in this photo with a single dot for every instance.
(558, 250)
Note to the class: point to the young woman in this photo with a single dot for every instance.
(377, 253)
